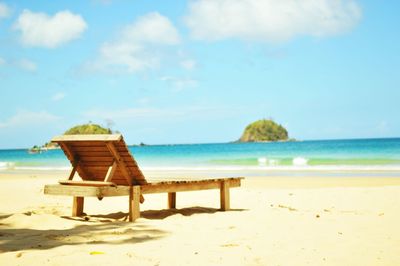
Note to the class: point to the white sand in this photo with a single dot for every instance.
(274, 221)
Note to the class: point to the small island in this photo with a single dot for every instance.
(79, 129)
(264, 130)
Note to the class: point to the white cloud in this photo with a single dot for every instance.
(25, 118)
(5, 11)
(152, 28)
(103, 2)
(180, 84)
(42, 30)
(26, 64)
(143, 101)
(188, 64)
(383, 127)
(58, 96)
(270, 20)
(129, 113)
(139, 45)
(166, 114)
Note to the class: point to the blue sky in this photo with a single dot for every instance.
(199, 71)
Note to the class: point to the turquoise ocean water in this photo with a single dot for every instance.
(355, 154)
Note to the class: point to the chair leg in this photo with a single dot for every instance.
(134, 203)
(77, 206)
(172, 200)
(224, 196)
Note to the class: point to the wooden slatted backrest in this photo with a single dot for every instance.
(94, 154)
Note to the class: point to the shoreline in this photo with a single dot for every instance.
(239, 171)
(273, 179)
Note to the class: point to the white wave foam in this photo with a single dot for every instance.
(7, 165)
(270, 166)
(262, 161)
(273, 162)
(300, 161)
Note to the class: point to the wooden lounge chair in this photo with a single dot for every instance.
(107, 168)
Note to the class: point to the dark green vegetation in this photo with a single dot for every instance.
(45, 147)
(264, 130)
(88, 129)
(35, 149)
(79, 129)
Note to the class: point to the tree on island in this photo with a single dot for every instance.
(79, 129)
(264, 130)
(94, 129)
(88, 129)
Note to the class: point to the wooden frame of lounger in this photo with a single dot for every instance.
(108, 169)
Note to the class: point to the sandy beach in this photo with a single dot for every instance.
(296, 220)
